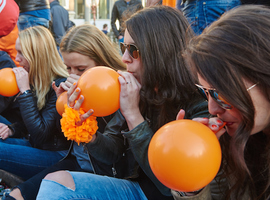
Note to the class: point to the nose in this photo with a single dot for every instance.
(213, 107)
(126, 58)
(17, 58)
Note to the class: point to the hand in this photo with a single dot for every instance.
(130, 98)
(22, 78)
(120, 37)
(214, 123)
(75, 101)
(64, 86)
(5, 131)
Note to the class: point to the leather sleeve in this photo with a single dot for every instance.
(40, 124)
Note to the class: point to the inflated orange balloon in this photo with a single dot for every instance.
(8, 82)
(60, 103)
(171, 3)
(184, 155)
(101, 90)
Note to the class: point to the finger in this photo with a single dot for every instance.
(220, 132)
(68, 84)
(180, 115)
(78, 102)
(86, 115)
(220, 127)
(5, 136)
(71, 101)
(204, 120)
(55, 88)
(127, 76)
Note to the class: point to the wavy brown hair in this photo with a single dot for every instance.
(237, 47)
(160, 33)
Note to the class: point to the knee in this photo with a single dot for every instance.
(62, 177)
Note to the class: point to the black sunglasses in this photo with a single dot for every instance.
(217, 98)
(214, 94)
(133, 51)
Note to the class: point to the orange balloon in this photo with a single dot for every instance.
(101, 90)
(8, 82)
(60, 103)
(184, 155)
(171, 3)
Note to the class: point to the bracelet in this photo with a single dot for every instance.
(184, 194)
(27, 92)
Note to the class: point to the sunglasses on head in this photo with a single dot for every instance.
(133, 51)
(217, 98)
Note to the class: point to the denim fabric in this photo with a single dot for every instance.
(18, 157)
(91, 186)
(29, 189)
(26, 21)
(201, 13)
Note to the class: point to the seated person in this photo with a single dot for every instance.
(82, 48)
(34, 133)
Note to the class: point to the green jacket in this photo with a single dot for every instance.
(128, 151)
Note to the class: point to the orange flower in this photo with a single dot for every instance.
(82, 133)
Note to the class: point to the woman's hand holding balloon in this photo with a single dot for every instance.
(75, 101)
(214, 123)
(64, 86)
(5, 131)
(129, 99)
(22, 79)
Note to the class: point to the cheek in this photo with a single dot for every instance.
(262, 120)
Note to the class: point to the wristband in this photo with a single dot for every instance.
(185, 194)
(27, 92)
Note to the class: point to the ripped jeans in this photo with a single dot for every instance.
(91, 186)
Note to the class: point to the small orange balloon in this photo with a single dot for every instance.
(171, 3)
(8, 82)
(60, 103)
(184, 155)
(101, 90)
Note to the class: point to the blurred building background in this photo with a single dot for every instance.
(97, 12)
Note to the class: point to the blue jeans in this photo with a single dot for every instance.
(26, 21)
(17, 156)
(201, 13)
(91, 186)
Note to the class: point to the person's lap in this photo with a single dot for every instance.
(29, 188)
(18, 157)
(91, 186)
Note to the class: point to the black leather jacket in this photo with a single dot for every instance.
(120, 8)
(42, 127)
(30, 5)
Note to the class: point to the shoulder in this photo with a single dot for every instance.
(6, 61)
(58, 80)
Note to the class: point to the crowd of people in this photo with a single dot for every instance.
(167, 72)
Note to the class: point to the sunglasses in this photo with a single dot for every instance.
(217, 98)
(133, 51)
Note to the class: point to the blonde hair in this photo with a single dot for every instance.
(88, 40)
(39, 49)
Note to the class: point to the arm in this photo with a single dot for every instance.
(59, 23)
(140, 137)
(109, 146)
(114, 17)
(40, 124)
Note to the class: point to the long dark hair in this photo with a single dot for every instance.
(160, 33)
(237, 47)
